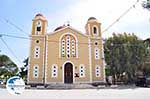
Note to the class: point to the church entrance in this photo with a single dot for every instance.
(68, 73)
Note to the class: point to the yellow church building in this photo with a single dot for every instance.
(66, 55)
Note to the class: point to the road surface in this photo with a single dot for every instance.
(129, 93)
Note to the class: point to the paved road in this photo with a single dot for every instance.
(133, 93)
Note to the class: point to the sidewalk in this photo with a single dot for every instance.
(76, 86)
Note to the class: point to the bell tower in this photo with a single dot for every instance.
(37, 50)
(39, 25)
(93, 30)
(93, 27)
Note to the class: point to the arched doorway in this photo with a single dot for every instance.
(68, 73)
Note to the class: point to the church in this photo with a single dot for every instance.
(65, 55)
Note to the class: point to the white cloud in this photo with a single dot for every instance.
(106, 12)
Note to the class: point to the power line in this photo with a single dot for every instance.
(121, 16)
(12, 36)
(30, 38)
(10, 50)
(14, 25)
(53, 41)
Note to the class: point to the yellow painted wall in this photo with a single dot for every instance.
(53, 56)
(50, 54)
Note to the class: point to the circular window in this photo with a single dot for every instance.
(96, 43)
(37, 41)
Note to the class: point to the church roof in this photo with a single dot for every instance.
(65, 27)
(39, 14)
(58, 28)
(92, 18)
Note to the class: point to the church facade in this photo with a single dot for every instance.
(65, 55)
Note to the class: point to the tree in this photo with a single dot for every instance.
(146, 4)
(24, 70)
(7, 67)
(125, 54)
(146, 67)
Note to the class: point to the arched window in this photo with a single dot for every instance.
(38, 27)
(82, 70)
(63, 48)
(54, 71)
(73, 47)
(37, 52)
(97, 71)
(97, 53)
(68, 46)
(94, 30)
(35, 71)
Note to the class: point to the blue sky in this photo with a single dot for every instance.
(21, 13)
(58, 12)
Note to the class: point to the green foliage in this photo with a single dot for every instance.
(107, 71)
(7, 67)
(146, 4)
(24, 70)
(125, 53)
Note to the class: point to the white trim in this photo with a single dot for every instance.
(95, 20)
(68, 47)
(96, 53)
(63, 66)
(77, 55)
(90, 61)
(35, 71)
(54, 74)
(89, 30)
(73, 49)
(82, 74)
(63, 47)
(46, 59)
(35, 82)
(79, 32)
(36, 52)
(98, 71)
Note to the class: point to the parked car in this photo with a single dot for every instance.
(148, 81)
(142, 81)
